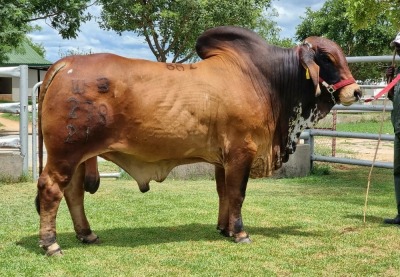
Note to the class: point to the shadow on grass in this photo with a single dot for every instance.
(134, 237)
(368, 218)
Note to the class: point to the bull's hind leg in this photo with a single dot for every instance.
(223, 212)
(74, 196)
(50, 185)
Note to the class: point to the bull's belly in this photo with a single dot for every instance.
(146, 170)
(151, 149)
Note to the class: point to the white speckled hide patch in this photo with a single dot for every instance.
(298, 123)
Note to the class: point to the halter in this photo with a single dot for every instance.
(332, 88)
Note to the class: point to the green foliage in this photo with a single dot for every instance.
(269, 30)
(64, 16)
(171, 28)
(310, 226)
(16, 19)
(363, 13)
(374, 39)
(13, 25)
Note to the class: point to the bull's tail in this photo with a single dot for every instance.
(43, 89)
(37, 203)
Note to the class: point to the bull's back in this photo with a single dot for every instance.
(105, 102)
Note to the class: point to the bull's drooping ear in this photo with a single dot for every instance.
(312, 69)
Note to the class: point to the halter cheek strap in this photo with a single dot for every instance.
(338, 85)
(332, 88)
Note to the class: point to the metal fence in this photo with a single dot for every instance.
(329, 145)
(325, 147)
(20, 72)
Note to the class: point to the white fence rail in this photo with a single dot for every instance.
(20, 72)
(10, 142)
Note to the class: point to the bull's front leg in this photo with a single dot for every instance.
(74, 196)
(236, 183)
(233, 190)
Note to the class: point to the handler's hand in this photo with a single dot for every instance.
(390, 72)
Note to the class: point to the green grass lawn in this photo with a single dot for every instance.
(366, 127)
(310, 226)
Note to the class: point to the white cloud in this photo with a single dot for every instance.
(290, 13)
(93, 38)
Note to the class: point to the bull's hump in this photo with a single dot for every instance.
(228, 39)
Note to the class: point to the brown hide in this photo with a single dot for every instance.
(149, 117)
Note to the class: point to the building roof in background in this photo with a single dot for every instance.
(28, 56)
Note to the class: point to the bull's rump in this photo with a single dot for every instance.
(152, 111)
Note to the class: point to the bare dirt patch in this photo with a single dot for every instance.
(364, 149)
(8, 125)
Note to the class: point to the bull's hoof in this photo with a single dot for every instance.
(90, 239)
(243, 240)
(242, 237)
(53, 250)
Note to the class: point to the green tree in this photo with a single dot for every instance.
(171, 27)
(363, 13)
(17, 17)
(331, 22)
(269, 30)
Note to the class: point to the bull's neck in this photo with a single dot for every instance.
(288, 76)
(295, 96)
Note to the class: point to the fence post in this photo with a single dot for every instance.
(34, 131)
(311, 142)
(23, 123)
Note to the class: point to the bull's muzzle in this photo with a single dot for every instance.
(350, 94)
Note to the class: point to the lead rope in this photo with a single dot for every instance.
(389, 79)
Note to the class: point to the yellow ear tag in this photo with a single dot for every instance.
(307, 74)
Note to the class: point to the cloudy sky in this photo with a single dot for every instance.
(92, 38)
